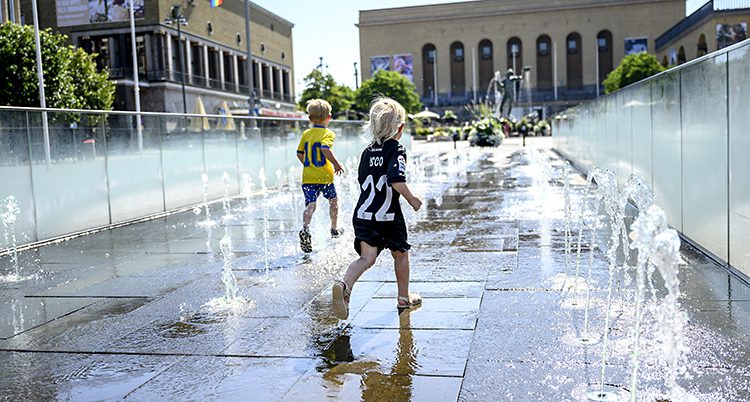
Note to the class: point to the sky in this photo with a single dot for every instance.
(325, 28)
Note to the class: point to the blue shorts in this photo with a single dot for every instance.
(312, 191)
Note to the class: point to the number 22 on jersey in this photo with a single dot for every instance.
(382, 214)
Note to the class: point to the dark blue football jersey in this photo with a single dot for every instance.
(379, 167)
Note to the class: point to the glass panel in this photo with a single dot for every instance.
(15, 174)
(182, 160)
(71, 191)
(135, 183)
(739, 163)
(250, 151)
(704, 147)
(611, 145)
(624, 161)
(220, 142)
(667, 143)
(640, 109)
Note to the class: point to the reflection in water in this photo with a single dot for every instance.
(377, 383)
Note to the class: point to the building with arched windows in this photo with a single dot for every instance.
(564, 49)
(716, 25)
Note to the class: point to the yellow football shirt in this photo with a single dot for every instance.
(318, 169)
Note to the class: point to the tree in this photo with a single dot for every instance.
(633, 68)
(391, 84)
(323, 86)
(71, 80)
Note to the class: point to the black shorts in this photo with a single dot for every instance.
(391, 235)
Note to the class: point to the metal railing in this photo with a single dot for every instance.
(103, 170)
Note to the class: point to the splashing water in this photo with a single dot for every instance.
(262, 177)
(247, 190)
(204, 180)
(9, 217)
(225, 201)
(566, 214)
(614, 206)
(644, 231)
(660, 246)
(230, 282)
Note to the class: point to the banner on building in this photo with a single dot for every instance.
(636, 45)
(380, 63)
(84, 12)
(729, 34)
(404, 64)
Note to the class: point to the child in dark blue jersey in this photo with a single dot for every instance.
(378, 220)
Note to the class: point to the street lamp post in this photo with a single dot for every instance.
(136, 84)
(356, 76)
(177, 18)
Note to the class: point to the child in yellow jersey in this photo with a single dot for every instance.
(316, 154)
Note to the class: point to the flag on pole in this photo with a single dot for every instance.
(216, 3)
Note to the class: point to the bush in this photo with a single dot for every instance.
(486, 133)
(633, 68)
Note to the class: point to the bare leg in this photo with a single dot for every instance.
(360, 265)
(333, 211)
(307, 215)
(401, 265)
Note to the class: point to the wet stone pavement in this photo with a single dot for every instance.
(135, 313)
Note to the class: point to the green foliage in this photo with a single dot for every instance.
(633, 68)
(323, 86)
(70, 77)
(392, 85)
(449, 116)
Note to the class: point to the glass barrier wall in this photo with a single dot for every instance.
(102, 170)
(685, 131)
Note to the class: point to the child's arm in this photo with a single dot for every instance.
(404, 190)
(337, 168)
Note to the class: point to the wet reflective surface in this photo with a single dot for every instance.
(132, 313)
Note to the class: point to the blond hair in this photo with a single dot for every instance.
(318, 110)
(386, 117)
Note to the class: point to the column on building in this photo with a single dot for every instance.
(261, 86)
(235, 64)
(170, 63)
(271, 89)
(206, 71)
(222, 81)
(188, 62)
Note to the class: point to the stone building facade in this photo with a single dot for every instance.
(10, 11)
(569, 46)
(213, 45)
(717, 24)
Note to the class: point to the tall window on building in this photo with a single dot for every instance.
(604, 47)
(429, 54)
(285, 80)
(544, 63)
(574, 61)
(242, 74)
(176, 59)
(198, 63)
(515, 54)
(256, 78)
(213, 68)
(681, 57)
(486, 63)
(458, 74)
(265, 73)
(229, 72)
(702, 46)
